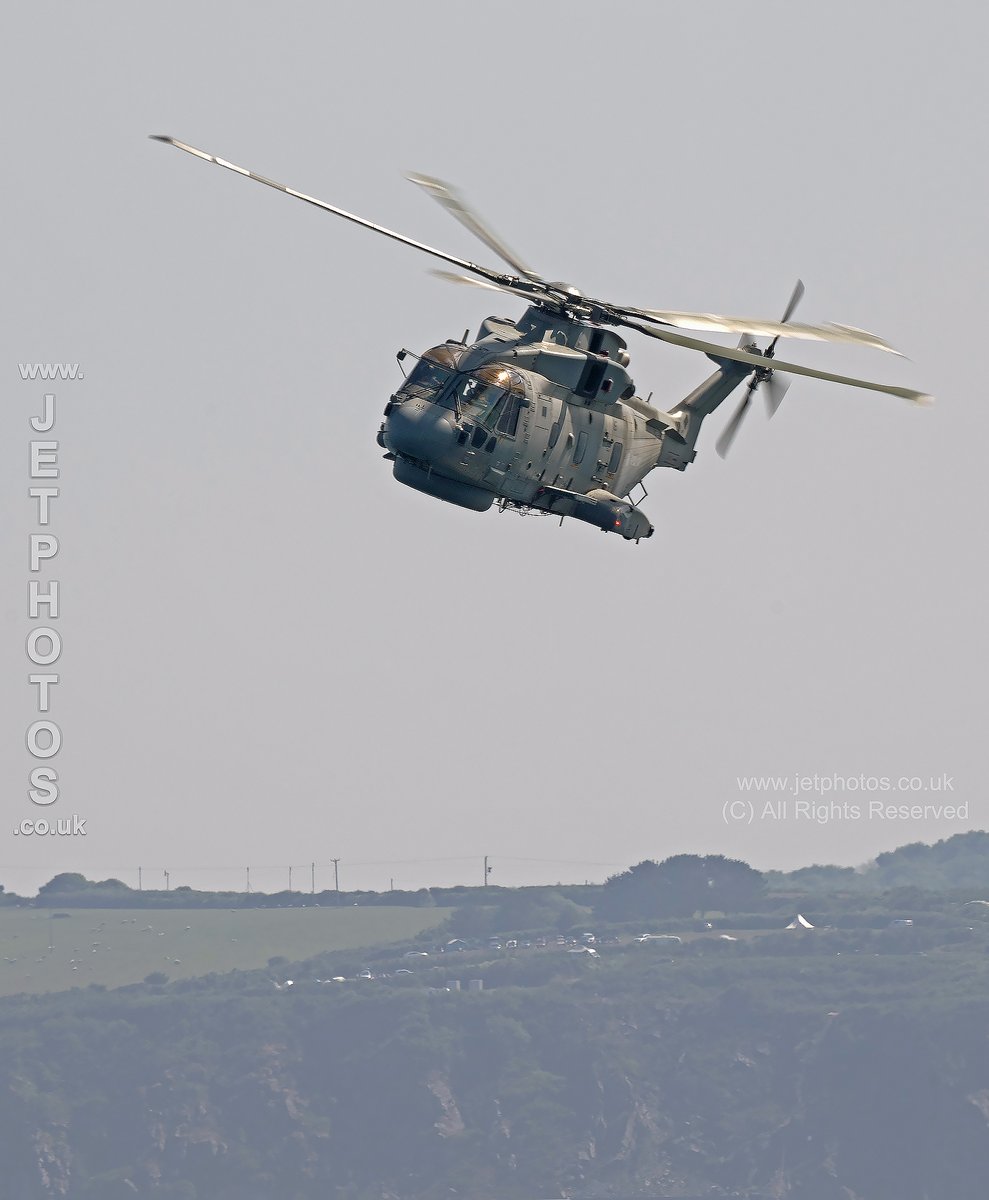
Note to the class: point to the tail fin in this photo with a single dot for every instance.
(678, 446)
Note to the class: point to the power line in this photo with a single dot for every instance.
(563, 862)
(378, 862)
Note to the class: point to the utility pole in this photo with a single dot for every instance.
(290, 879)
(336, 873)
(166, 881)
(140, 884)
(312, 878)
(487, 871)
(248, 880)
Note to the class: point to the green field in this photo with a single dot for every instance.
(41, 952)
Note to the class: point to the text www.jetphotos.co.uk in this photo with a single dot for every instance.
(787, 798)
(44, 643)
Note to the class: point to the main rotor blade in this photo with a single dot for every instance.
(715, 323)
(519, 287)
(758, 360)
(484, 272)
(457, 206)
(723, 444)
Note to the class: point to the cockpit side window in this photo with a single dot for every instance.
(426, 378)
(492, 397)
(484, 402)
(431, 374)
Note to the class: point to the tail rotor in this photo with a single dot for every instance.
(776, 387)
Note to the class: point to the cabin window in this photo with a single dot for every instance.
(508, 421)
(616, 457)
(581, 450)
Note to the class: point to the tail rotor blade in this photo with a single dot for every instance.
(723, 444)
(798, 292)
(776, 389)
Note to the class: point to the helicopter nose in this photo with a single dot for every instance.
(419, 431)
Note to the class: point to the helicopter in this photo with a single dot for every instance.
(539, 414)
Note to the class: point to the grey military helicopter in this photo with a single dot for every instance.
(540, 414)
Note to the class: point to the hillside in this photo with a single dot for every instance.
(665, 1034)
(829, 1064)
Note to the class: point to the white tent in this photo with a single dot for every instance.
(800, 922)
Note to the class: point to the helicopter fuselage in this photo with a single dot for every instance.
(539, 414)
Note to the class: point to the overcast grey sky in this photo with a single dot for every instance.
(272, 652)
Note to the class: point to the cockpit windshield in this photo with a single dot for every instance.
(432, 372)
(492, 397)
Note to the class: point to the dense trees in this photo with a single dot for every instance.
(680, 887)
(955, 863)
